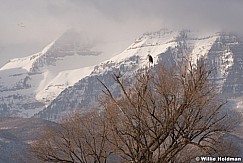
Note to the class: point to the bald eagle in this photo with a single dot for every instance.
(150, 58)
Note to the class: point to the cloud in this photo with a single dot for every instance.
(107, 20)
(173, 12)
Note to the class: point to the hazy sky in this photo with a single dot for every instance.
(29, 25)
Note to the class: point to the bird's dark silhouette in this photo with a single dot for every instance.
(150, 58)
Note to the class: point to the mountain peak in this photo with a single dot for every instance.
(68, 45)
(28, 84)
(63, 77)
(169, 47)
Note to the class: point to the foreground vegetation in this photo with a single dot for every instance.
(167, 115)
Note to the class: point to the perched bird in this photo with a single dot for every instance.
(150, 58)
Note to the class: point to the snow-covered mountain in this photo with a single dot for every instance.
(30, 83)
(167, 46)
(50, 84)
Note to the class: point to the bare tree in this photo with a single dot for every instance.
(165, 114)
(79, 138)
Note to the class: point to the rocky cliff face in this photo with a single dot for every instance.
(45, 84)
(28, 84)
(233, 85)
(166, 47)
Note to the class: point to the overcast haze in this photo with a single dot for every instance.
(29, 25)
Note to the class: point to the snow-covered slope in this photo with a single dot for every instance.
(26, 63)
(166, 46)
(28, 84)
(63, 77)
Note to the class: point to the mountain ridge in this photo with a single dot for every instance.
(62, 91)
(28, 84)
(169, 47)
